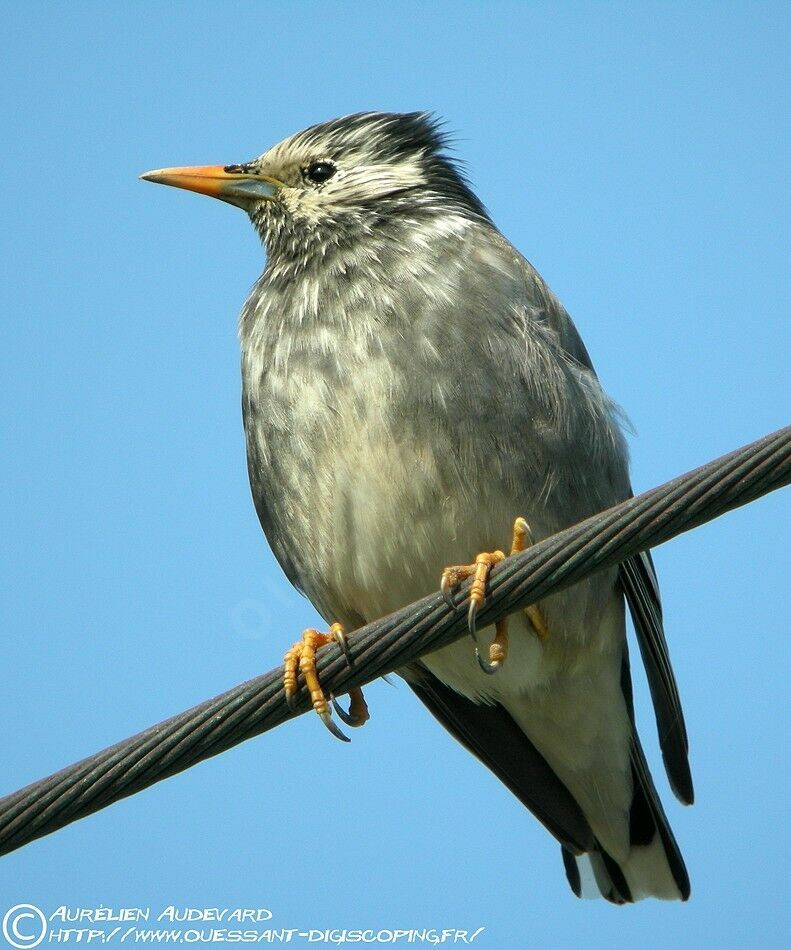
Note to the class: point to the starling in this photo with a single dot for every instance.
(413, 396)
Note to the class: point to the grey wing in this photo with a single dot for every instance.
(639, 583)
(259, 489)
(555, 315)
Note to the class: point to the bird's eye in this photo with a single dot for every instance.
(318, 172)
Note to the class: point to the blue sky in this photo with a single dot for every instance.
(638, 154)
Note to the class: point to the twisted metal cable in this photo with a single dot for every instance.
(386, 645)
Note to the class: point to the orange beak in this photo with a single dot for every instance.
(232, 183)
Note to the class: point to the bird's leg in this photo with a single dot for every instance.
(479, 570)
(302, 657)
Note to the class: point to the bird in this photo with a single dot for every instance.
(412, 394)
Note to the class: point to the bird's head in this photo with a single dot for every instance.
(339, 177)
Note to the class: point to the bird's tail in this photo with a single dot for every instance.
(654, 867)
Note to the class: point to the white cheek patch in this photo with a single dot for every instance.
(352, 185)
(360, 175)
(362, 181)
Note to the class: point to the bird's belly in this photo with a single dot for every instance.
(400, 517)
(379, 488)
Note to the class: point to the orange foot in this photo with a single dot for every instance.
(302, 657)
(479, 570)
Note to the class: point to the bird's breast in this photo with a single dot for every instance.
(393, 437)
(366, 472)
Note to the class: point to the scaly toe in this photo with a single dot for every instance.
(301, 658)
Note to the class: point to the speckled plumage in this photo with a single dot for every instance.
(410, 386)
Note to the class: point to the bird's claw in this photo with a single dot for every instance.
(338, 635)
(446, 590)
(340, 711)
(472, 615)
(329, 722)
(302, 658)
(488, 668)
(358, 710)
(479, 571)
